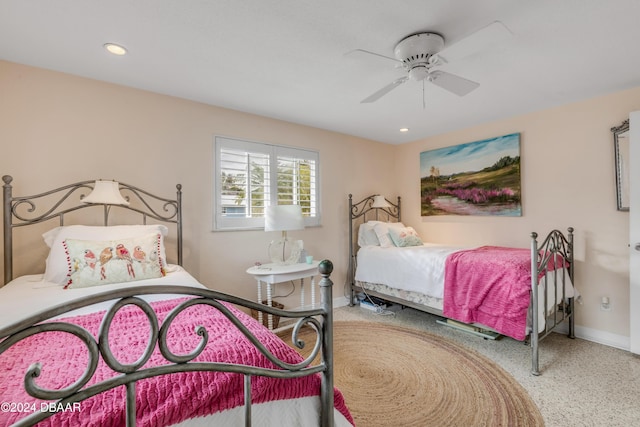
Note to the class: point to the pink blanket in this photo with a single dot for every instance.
(162, 400)
(489, 285)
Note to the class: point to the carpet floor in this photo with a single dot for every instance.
(398, 376)
(582, 383)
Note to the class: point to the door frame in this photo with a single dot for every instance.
(634, 232)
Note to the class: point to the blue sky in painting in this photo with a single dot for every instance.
(469, 157)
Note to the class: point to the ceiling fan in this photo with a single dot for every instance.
(418, 54)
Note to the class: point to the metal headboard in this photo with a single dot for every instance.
(27, 210)
(359, 213)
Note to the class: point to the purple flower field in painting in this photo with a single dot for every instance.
(469, 193)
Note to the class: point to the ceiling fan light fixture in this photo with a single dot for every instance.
(419, 72)
(418, 48)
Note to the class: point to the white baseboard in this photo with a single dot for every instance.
(594, 335)
(340, 302)
(601, 337)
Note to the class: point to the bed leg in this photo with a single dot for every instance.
(572, 325)
(326, 385)
(352, 292)
(535, 366)
(131, 404)
(352, 296)
(352, 289)
(534, 305)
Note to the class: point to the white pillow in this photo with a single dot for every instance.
(56, 269)
(382, 232)
(403, 237)
(98, 232)
(92, 262)
(367, 235)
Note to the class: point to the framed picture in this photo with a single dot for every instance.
(476, 178)
(621, 155)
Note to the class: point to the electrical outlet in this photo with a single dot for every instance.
(605, 304)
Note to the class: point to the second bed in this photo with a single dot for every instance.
(489, 288)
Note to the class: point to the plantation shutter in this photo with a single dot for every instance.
(251, 175)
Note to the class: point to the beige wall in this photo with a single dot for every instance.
(57, 128)
(567, 181)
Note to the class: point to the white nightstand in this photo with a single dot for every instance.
(271, 274)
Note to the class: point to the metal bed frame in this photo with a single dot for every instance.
(554, 244)
(20, 211)
(25, 210)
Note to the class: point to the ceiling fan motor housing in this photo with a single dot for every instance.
(415, 52)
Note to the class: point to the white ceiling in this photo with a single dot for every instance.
(286, 59)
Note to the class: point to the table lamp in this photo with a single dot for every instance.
(283, 218)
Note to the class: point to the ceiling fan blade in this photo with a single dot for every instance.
(454, 84)
(491, 35)
(385, 90)
(373, 53)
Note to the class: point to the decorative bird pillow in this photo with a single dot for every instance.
(94, 263)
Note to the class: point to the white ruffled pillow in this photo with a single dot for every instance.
(382, 232)
(57, 267)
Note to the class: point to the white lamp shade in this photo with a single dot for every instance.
(107, 193)
(380, 202)
(283, 218)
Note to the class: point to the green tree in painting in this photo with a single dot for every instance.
(435, 173)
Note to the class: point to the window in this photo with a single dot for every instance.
(252, 175)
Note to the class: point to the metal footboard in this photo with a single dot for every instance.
(552, 268)
(319, 319)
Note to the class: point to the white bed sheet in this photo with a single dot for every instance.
(28, 295)
(415, 268)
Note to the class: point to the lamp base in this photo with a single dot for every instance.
(284, 252)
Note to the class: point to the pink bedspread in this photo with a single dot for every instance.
(162, 400)
(489, 285)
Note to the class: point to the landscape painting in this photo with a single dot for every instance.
(476, 178)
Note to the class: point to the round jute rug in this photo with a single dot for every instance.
(394, 376)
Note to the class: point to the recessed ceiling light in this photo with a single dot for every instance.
(115, 49)
(404, 129)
